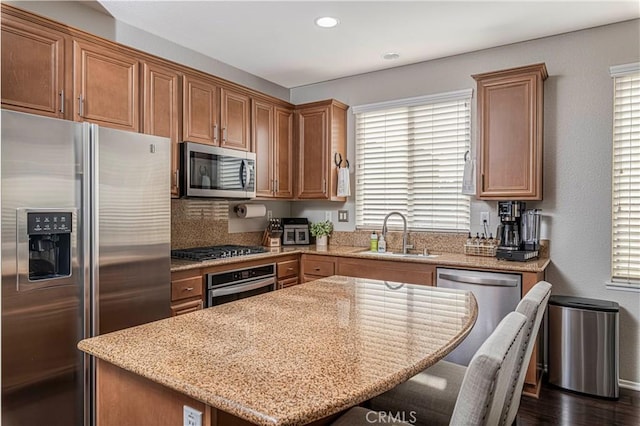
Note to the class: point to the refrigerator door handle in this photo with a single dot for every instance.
(94, 225)
(91, 238)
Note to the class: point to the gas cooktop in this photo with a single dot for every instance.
(215, 252)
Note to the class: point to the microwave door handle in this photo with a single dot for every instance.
(243, 181)
(247, 171)
(234, 289)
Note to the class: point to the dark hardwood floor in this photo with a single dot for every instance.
(560, 407)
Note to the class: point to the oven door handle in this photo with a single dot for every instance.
(234, 289)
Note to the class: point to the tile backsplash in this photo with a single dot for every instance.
(433, 241)
(199, 223)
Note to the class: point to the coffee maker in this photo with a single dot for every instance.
(518, 231)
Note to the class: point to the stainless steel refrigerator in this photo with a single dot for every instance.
(85, 251)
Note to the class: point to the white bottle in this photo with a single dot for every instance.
(382, 244)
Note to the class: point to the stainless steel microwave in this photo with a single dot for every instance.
(211, 171)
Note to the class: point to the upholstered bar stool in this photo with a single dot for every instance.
(479, 399)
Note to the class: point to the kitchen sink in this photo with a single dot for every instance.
(392, 254)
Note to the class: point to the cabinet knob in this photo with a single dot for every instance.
(316, 268)
(215, 133)
(289, 269)
(188, 289)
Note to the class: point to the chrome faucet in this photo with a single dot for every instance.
(405, 246)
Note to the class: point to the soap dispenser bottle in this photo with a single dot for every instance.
(382, 244)
(374, 241)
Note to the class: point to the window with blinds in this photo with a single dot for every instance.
(625, 241)
(410, 158)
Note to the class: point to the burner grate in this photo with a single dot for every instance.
(215, 252)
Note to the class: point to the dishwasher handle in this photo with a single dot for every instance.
(479, 280)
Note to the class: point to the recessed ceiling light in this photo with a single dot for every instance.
(391, 56)
(326, 22)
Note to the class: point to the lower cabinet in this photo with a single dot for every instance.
(533, 378)
(186, 292)
(288, 272)
(319, 266)
(411, 273)
(186, 307)
(315, 267)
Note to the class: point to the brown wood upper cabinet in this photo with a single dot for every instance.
(510, 120)
(161, 110)
(214, 115)
(321, 132)
(199, 110)
(272, 135)
(234, 120)
(106, 83)
(33, 67)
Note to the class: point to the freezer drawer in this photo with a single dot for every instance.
(497, 294)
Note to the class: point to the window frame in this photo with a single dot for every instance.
(463, 223)
(622, 281)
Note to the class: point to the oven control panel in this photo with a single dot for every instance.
(240, 275)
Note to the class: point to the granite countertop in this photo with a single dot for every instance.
(299, 354)
(273, 252)
(441, 259)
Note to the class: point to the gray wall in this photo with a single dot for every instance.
(577, 150)
(87, 16)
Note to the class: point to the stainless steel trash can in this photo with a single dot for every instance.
(583, 345)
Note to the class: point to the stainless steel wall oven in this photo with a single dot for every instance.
(224, 287)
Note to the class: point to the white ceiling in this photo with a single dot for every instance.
(278, 41)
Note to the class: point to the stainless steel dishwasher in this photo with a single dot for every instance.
(497, 294)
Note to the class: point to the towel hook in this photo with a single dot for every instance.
(337, 159)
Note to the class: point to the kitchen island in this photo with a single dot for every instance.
(290, 357)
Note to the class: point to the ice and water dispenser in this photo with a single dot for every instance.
(49, 241)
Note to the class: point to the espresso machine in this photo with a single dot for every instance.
(518, 231)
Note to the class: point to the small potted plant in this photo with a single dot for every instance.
(321, 230)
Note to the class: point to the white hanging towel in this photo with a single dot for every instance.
(469, 176)
(344, 185)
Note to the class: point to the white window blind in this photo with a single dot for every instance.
(410, 158)
(625, 250)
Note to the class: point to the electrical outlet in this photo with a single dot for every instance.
(484, 218)
(327, 215)
(191, 416)
(269, 214)
(343, 215)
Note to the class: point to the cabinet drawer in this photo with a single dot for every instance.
(186, 307)
(288, 268)
(288, 282)
(323, 268)
(186, 288)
